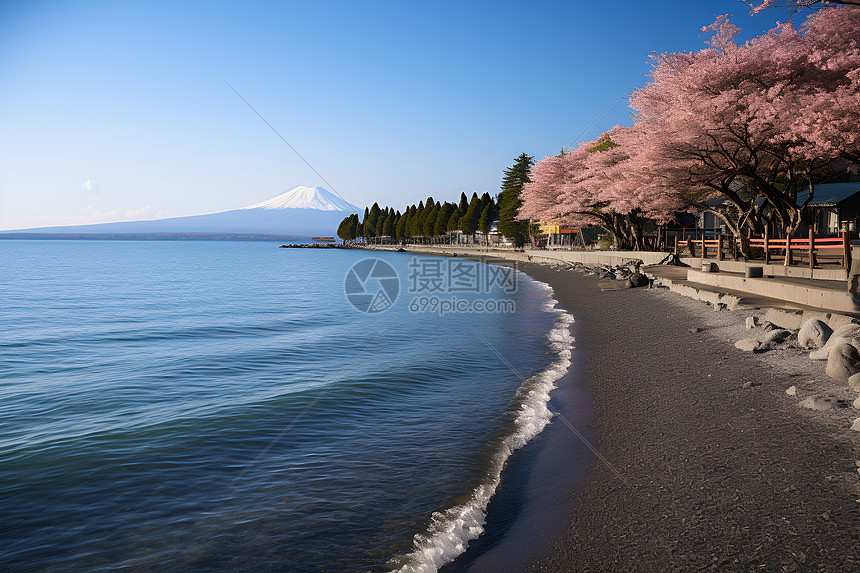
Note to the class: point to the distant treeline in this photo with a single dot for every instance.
(435, 219)
(427, 219)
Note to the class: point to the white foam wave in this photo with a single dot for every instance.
(450, 530)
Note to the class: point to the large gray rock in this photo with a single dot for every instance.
(639, 280)
(843, 361)
(814, 334)
(751, 322)
(776, 336)
(854, 383)
(849, 333)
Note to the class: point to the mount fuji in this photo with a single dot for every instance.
(300, 212)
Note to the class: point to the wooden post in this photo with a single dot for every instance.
(704, 246)
(735, 246)
(720, 247)
(719, 243)
(787, 250)
(811, 247)
(766, 247)
(846, 251)
(676, 245)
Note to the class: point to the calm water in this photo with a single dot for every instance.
(186, 405)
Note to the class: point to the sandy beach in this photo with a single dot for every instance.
(705, 463)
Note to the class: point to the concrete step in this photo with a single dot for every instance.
(830, 272)
(814, 294)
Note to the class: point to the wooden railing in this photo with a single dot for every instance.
(811, 248)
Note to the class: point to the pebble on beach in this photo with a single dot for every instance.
(816, 403)
(791, 391)
(856, 425)
(747, 344)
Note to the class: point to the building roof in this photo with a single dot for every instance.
(829, 194)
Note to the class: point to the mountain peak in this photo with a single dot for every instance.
(306, 197)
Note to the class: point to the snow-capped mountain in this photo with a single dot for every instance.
(301, 212)
(304, 197)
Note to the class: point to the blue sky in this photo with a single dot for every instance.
(119, 110)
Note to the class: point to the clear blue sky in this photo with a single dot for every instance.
(119, 110)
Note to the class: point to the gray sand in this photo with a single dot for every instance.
(719, 468)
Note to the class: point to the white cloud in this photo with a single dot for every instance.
(91, 185)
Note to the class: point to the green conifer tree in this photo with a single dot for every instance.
(464, 204)
(442, 216)
(388, 226)
(488, 215)
(399, 229)
(371, 224)
(469, 222)
(509, 199)
(344, 228)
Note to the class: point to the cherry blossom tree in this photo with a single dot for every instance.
(758, 121)
(799, 4)
(598, 183)
(754, 124)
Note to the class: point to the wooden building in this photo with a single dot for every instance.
(834, 207)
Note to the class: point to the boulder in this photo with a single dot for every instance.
(856, 425)
(751, 322)
(820, 354)
(843, 361)
(748, 344)
(854, 383)
(849, 333)
(814, 334)
(638, 280)
(776, 336)
(857, 403)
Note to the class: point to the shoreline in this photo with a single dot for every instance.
(529, 506)
(717, 475)
(707, 464)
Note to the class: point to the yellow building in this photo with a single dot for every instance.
(553, 228)
(555, 233)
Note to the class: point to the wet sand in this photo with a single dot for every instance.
(704, 463)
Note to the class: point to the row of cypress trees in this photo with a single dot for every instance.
(425, 220)
(434, 219)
